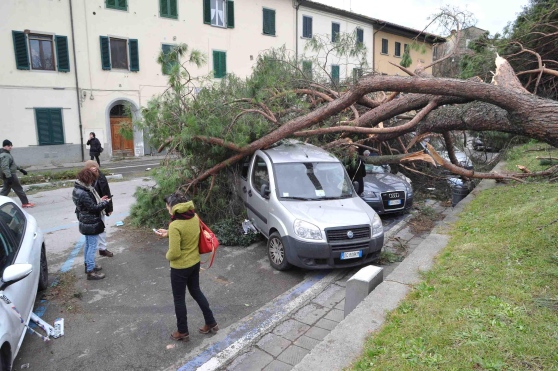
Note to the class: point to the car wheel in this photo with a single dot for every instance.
(276, 252)
(5, 358)
(43, 276)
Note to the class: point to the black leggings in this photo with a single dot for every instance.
(96, 157)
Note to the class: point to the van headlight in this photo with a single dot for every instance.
(377, 227)
(369, 194)
(307, 230)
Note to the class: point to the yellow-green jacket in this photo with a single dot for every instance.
(183, 236)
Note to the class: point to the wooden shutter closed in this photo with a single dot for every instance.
(173, 9)
(207, 11)
(62, 55)
(360, 36)
(122, 4)
(105, 53)
(20, 50)
(134, 54)
(335, 32)
(166, 66)
(219, 64)
(230, 14)
(164, 8)
(335, 74)
(269, 22)
(49, 126)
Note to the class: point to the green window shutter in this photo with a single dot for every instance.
(134, 54)
(110, 4)
(307, 69)
(335, 74)
(122, 4)
(360, 36)
(117, 4)
(105, 53)
(219, 64)
(49, 126)
(173, 9)
(20, 50)
(163, 8)
(62, 55)
(230, 14)
(207, 11)
(269, 22)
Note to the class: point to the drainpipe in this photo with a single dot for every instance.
(77, 83)
(296, 28)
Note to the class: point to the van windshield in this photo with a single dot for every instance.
(312, 181)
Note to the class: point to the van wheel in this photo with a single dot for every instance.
(276, 252)
(43, 275)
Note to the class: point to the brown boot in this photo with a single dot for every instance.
(206, 329)
(94, 276)
(179, 336)
(96, 269)
(106, 253)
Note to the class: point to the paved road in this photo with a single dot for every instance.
(124, 321)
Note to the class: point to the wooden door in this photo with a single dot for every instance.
(120, 145)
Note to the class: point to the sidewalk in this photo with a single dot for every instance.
(316, 336)
(105, 162)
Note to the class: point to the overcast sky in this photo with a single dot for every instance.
(492, 15)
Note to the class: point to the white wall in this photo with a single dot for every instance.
(321, 25)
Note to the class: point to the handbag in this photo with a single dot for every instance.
(101, 150)
(208, 243)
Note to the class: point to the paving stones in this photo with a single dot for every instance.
(293, 355)
(273, 344)
(291, 329)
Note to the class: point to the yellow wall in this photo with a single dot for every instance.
(381, 61)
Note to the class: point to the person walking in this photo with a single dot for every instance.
(102, 187)
(9, 168)
(184, 258)
(95, 148)
(88, 211)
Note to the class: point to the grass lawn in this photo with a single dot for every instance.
(491, 300)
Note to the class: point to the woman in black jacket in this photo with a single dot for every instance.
(95, 148)
(89, 207)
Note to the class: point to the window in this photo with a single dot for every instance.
(115, 53)
(12, 230)
(219, 64)
(169, 61)
(406, 48)
(43, 49)
(306, 27)
(245, 165)
(260, 174)
(360, 36)
(357, 74)
(219, 13)
(397, 49)
(117, 4)
(307, 69)
(49, 126)
(335, 74)
(335, 27)
(268, 22)
(384, 46)
(168, 9)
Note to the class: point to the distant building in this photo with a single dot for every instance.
(451, 66)
(69, 67)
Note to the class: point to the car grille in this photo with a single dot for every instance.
(389, 197)
(354, 246)
(336, 235)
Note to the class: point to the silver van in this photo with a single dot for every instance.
(301, 198)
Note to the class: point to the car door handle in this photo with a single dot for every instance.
(250, 193)
(244, 189)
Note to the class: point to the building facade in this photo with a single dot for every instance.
(71, 67)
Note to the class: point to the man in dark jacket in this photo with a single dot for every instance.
(103, 189)
(95, 147)
(8, 168)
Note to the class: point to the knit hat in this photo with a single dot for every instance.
(89, 164)
(6, 142)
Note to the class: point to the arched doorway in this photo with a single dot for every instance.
(119, 118)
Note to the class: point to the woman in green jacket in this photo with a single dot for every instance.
(184, 258)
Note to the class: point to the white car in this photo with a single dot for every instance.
(23, 268)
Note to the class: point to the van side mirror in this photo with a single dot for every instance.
(264, 191)
(357, 187)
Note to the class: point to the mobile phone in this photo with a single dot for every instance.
(154, 230)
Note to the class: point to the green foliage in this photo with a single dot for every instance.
(230, 233)
(406, 60)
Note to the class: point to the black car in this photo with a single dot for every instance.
(386, 192)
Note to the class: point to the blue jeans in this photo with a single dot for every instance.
(89, 251)
(180, 279)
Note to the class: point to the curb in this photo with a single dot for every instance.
(63, 183)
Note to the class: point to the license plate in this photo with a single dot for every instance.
(394, 202)
(351, 254)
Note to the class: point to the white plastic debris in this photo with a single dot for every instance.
(247, 226)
